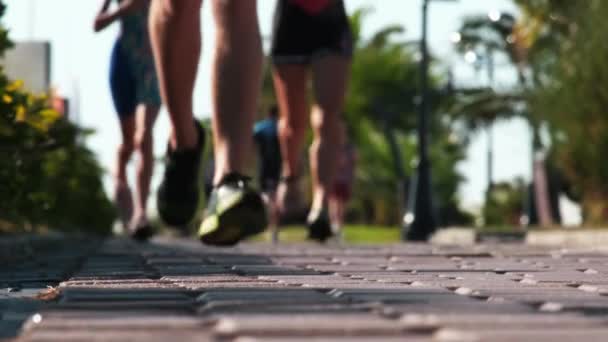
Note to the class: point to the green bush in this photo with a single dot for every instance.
(48, 178)
(505, 204)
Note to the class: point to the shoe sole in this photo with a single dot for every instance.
(245, 218)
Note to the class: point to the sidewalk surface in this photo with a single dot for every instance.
(178, 290)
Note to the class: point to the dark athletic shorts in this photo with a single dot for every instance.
(341, 191)
(301, 37)
(132, 80)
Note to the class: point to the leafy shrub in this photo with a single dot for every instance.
(48, 177)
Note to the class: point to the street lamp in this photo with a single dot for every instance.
(503, 23)
(494, 15)
(419, 220)
(473, 58)
(456, 37)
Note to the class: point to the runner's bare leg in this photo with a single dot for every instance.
(235, 82)
(144, 145)
(176, 42)
(330, 80)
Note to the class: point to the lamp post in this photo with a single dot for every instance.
(501, 23)
(473, 58)
(420, 220)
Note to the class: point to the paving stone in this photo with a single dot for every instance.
(9, 328)
(213, 278)
(111, 275)
(29, 277)
(121, 299)
(175, 288)
(404, 295)
(360, 286)
(463, 308)
(396, 277)
(95, 320)
(240, 260)
(9, 304)
(119, 306)
(259, 270)
(463, 320)
(118, 284)
(112, 334)
(344, 268)
(303, 278)
(266, 296)
(138, 294)
(429, 267)
(241, 285)
(421, 259)
(350, 260)
(310, 280)
(511, 335)
(303, 261)
(283, 308)
(181, 270)
(308, 325)
(401, 338)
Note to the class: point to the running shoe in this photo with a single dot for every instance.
(142, 233)
(319, 227)
(235, 211)
(178, 195)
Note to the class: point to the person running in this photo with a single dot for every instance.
(343, 183)
(265, 135)
(311, 38)
(235, 210)
(136, 97)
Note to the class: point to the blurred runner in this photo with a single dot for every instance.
(265, 135)
(136, 98)
(343, 183)
(234, 211)
(312, 40)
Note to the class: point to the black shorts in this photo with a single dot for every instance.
(300, 37)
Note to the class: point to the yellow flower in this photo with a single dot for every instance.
(6, 98)
(20, 114)
(16, 85)
(49, 114)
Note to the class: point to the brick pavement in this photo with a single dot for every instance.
(179, 290)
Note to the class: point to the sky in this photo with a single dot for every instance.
(80, 59)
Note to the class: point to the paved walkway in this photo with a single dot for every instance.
(178, 290)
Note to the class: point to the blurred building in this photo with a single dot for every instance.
(30, 61)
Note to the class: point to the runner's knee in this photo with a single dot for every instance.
(143, 139)
(126, 148)
(324, 123)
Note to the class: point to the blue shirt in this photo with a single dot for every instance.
(265, 134)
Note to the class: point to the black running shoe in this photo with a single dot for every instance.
(319, 227)
(235, 211)
(142, 233)
(178, 194)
